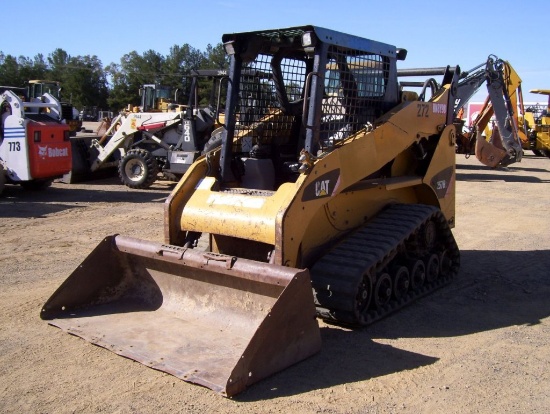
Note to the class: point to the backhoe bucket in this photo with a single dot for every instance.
(489, 154)
(210, 319)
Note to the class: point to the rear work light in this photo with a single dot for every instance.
(37, 136)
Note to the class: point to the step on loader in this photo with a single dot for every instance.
(332, 194)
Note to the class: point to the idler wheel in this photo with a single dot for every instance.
(428, 235)
(445, 263)
(364, 294)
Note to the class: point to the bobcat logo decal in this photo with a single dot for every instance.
(42, 151)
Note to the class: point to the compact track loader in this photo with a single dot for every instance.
(332, 194)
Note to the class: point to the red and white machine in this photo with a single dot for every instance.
(35, 143)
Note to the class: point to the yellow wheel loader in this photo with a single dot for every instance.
(537, 122)
(332, 194)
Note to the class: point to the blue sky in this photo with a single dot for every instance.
(435, 33)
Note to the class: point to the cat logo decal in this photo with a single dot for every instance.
(324, 186)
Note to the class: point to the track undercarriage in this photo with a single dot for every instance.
(405, 252)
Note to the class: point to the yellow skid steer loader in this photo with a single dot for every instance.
(331, 194)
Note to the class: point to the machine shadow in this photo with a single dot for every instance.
(507, 170)
(488, 177)
(17, 202)
(494, 289)
(482, 173)
(31, 209)
(345, 357)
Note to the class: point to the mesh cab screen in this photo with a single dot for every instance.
(354, 89)
(266, 98)
(272, 91)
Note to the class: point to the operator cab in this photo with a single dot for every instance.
(295, 94)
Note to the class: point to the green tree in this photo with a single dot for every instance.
(133, 71)
(58, 61)
(9, 71)
(31, 69)
(178, 66)
(216, 57)
(39, 68)
(84, 82)
(120, 93)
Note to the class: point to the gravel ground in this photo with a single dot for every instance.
(477, 345)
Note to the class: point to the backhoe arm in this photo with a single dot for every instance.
(504, 146)
(504, 91)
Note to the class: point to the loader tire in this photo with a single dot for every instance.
(138, 169)
(538, 153)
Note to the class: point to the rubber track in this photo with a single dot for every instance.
(337, 275)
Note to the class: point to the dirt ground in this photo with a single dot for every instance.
(479, 345)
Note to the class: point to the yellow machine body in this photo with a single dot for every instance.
(338, 194)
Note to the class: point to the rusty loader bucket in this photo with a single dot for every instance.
(213, 320)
